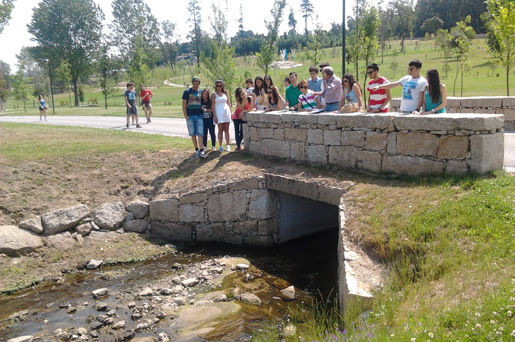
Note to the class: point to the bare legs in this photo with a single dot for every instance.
(42, 113)
(223, 128)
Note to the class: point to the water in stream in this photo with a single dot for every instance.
(309, 263)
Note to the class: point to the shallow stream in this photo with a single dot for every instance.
(309, 263)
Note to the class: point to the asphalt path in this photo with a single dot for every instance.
(177, 128)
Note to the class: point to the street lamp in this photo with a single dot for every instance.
(51, 85)
(343, 40)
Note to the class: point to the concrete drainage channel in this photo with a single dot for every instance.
(263, 211)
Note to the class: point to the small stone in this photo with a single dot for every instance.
(146, 292)
(100, 293)
(111, 313)
(95, 325)
(94, 264)
(27, 338)
(99, 306)
(248, 298)
(81, 331)
(242, 266)
(161, 315)
(162, 337)
(131, 305)
(288, 293)
(169, 245)
(71, 310)
(119, 325)
(190, 282)
(177, 266)
(289, 330)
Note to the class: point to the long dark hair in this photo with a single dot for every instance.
(223, 86)
(207, 102)
(350, 78)
(267, 77)
(257, 90)
(275, 94)
(433, 85)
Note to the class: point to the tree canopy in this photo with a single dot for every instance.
(69, 31)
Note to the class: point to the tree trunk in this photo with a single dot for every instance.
(76, 92)
(507, 82)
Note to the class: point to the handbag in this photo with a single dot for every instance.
(349, 108)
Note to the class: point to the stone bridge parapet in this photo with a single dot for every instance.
(382, 143)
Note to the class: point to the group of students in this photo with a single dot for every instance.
(204, 110)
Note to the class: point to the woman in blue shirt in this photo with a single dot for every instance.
(42, 107)
(435, 97)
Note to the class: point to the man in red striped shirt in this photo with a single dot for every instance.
(379, 98)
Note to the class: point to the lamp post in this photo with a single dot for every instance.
(343, 40)
(51, 85)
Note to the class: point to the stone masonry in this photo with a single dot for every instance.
(480, 104)
(382, 143)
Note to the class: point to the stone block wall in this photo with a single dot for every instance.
(390, 142)
(480, 104)
(238, 213)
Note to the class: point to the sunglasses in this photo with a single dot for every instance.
(219, 86)
(370, 72)
(345, 81)
(301, 87)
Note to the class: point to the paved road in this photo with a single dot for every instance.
(164, 126)
(177, 128)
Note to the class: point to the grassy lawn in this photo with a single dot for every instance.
(481, 79)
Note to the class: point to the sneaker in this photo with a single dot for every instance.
(202, 154)
(228, 149)
(205, 148)
(214, 148)
(127, 125)
(138, 126)
(149, 120)
(221, 149)
(197, 154)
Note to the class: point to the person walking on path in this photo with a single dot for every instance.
(192, 111)
(222, 113)
(130, 102)
(42, 107)
(145, 96)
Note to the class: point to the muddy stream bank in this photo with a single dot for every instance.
(198, 293)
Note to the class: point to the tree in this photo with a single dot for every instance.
(171, 40)
(306, 8)
(38, 76)
(5, 83)
(22, 89)
(432, 25)
(6, 7)
(404, 18)
(108, 67)
(219, 65)
(501, 37)
(292, 23)
(195, 21)
(240, 23)
(268, 51)
(67, 30)
(136, 31)
(461, 37)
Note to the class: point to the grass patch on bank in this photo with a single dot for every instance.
(450, 246)
(32, 141)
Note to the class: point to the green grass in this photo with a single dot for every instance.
(481, 79)
(451, 259)
(41, 141)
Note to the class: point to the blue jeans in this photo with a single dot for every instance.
(332, 107)
(195, 125)
(238, 131)
(209, 126)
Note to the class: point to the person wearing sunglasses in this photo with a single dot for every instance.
(275, 100)
(378, 99)
(307, 99)
(351, 100)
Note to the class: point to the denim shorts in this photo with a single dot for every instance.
(133, 110)
(195, 125)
